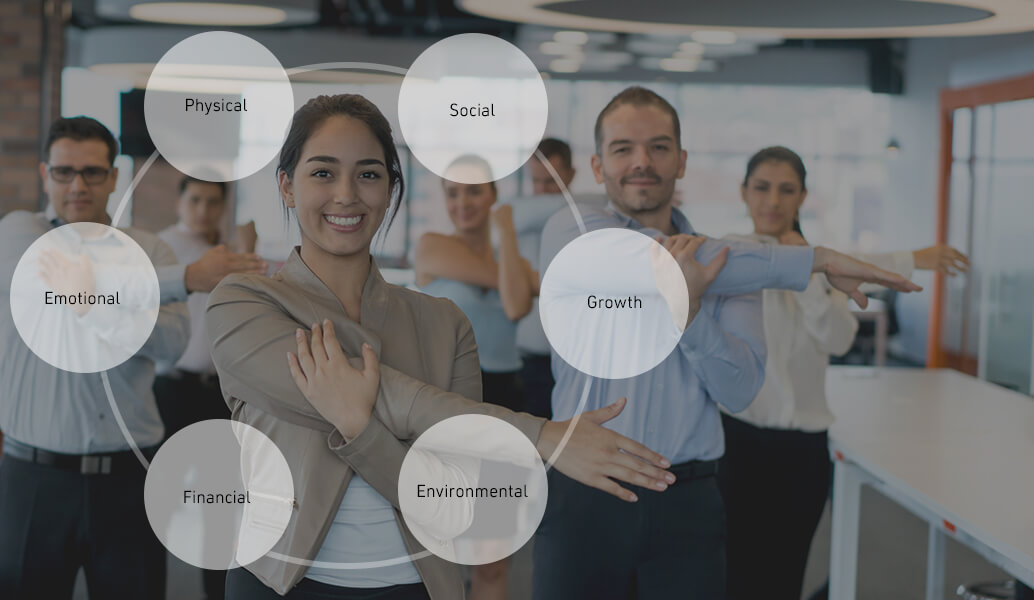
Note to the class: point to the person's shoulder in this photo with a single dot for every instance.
(141, 235)
(20, 219)
(741, 237)
(168, 234)
(241, 286)
(432, 242)
(151, 243)
(421, 300)
(428, 308)
(593, 215)
(23, 216)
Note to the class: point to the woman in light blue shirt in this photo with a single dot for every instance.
(494, 288)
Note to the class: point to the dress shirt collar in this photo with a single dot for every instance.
(373, 305)
(56, 222)
(678, 219)
(50, 215)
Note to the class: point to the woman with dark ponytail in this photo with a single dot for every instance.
(775, 474)
(342, 371)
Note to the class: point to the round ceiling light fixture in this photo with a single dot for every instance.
(793, 19)
(234, 13)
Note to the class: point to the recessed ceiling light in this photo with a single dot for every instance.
(559, 49)
(207, 13)
(679, 64)
(685, 65)
(691, 48)
(714, 37)
(602, 59)
(650, 47)
(571, 37)
(687, 55)
(565, 65)
(978, 17)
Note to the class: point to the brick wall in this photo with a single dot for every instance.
(29, 93)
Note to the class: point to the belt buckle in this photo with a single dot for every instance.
(95, 465)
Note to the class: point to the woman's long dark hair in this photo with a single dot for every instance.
(779, 154)
(317, 110)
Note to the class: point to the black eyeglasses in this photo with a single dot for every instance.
(91, 175)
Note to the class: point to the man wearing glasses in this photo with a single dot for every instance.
(71, 490)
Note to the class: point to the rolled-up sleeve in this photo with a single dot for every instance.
(753, 266)
(172, 283)
(726, 348)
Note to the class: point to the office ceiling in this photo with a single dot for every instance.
(436, 18)
(634, 38)
(794, 14)
(797, 19)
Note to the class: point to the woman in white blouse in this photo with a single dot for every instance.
(775, 474)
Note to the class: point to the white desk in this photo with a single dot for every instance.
(956, 451)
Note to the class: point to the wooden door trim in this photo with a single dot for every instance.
(952, 99)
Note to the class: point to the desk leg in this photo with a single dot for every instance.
(843, 560)
(880, 359)
(935, 563)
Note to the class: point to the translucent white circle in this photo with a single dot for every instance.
(613, 303)
(218, 106)
(472, 489)
(473, 94)
(84, 297)
(219, 494)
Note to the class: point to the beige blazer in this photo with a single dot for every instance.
(429, 372)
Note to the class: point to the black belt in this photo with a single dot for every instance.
(85, 464)
(694, 469)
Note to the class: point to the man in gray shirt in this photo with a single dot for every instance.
(71, 490)
(189, 392)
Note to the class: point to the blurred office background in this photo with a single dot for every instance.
(916, 122)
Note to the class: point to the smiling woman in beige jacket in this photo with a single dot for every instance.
(343, 371)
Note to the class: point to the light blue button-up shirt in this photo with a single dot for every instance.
(720, 358)
(61, 411)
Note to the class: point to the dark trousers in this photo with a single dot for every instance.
(537, 375)
(182, 402)
(775, 483)
(188, 400)
(242, 585)
(503, 389)
(52, 522)
(668, 545)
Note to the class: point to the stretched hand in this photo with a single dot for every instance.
(246, 238)
(846, 274)
(206, 273)
(342, 394)
(698, 276)
(596, 456)
(942, 258)
(67, 276)
(502, 218)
